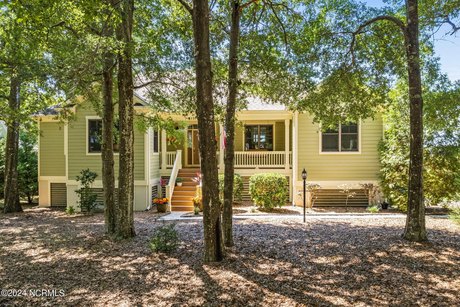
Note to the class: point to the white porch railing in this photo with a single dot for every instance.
(246, 159)
(264, 159)
(170, 158)
(172, 179)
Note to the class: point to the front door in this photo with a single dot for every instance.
(193, 153)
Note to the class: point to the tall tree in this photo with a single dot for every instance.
(213, 240)
(415, 224)
(374, 57)
(227, 216)
(24, 79)
(87, 69)
(11, 193)
(108, 162)
(124, 227)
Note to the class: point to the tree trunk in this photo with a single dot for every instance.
(12, 203)
(124, 227)
(214, 250)
(108, 172)
(415, 223)
(227, 216)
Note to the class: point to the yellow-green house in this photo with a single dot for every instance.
(269, 138)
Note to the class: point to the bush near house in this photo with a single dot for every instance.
(268, 190)
(237, 187)
(87, 198)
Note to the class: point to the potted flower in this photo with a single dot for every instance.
(198, 203)
(162, 204)
(179, 181)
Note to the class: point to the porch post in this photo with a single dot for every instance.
(221, 148)
(295, 130)
(163, 150)
(286, 145)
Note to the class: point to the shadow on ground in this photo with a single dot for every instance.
(323, 262)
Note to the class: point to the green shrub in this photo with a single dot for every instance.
(164, 239)
(268, 190)
(237, 187)
(70, 210)
(373, 209)
(87, 198)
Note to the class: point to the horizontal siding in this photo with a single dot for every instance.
(239, 138)
(154, 166)
(52, 158)
(331, 167)
(78, 159)
(279, 136)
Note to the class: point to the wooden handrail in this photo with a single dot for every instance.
(172, 179)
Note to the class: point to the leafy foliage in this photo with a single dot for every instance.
(165, 239)
(87, 198)
(237, 187)
(70, 210)
(27, 165)
(268, 190)
(441, 148)
(373, 209)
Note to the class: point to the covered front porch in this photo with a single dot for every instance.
(262, 142)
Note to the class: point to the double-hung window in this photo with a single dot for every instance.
(341, 138)
(258, 137)
(95, 136)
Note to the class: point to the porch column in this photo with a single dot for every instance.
(286, 144)
(295, 130)
(164, 149)
(221, 148)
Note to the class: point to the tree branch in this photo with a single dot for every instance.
(243, 5)
(360, 29)
(455, 28)
(270, 3)
(186, 6)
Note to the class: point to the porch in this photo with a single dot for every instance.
(248, 159)
(259, 144)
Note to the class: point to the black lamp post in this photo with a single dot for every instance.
(304, 178)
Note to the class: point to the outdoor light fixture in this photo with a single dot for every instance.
(304, 174)
(304, 177)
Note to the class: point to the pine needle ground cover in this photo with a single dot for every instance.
(323, 262)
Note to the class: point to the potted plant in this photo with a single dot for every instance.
(179, 181)
(198, 203)
(161, 203)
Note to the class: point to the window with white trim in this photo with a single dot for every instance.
(341, 138)
(95, 136)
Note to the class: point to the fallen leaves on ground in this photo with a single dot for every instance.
(348, 262)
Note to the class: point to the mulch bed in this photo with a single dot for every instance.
(362, 262)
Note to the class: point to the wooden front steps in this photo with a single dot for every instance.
(182, 196)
